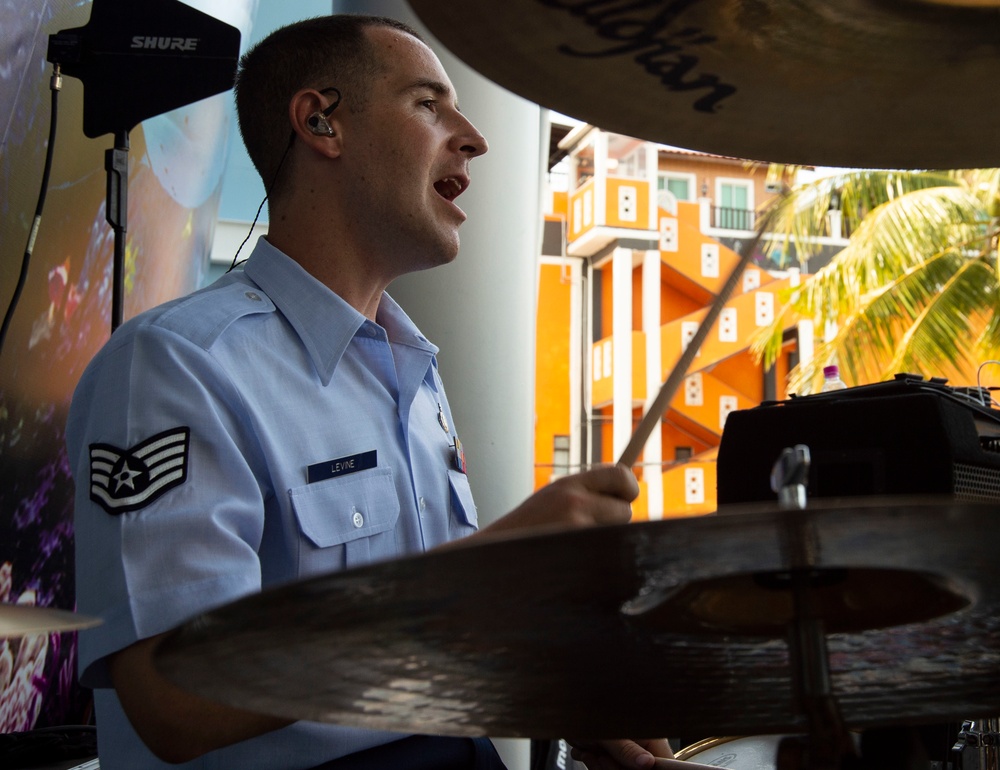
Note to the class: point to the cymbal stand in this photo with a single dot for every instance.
(790, 476)
(827, 745)
(977, 745)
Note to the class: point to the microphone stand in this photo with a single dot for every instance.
(171, 54)
(116, 214)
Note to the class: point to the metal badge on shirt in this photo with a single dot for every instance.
(123, 480)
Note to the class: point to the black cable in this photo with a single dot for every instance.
(55, 84)
(267, 194)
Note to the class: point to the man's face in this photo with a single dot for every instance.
(408, 154)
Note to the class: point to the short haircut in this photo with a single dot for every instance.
(314, 53)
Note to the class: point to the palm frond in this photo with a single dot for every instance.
(925, 319)
(916, 289)
(802, 214)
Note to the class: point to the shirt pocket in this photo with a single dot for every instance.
(347, 521)
(465, 519)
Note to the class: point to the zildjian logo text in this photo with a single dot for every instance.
(661, 51)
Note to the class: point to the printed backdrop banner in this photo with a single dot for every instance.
(64, 314)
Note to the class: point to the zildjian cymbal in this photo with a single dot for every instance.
(671, 627)
(859, 83)
(24, 620)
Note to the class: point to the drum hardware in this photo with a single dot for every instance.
(455, 642)
(757, 752)
(827, 743)
(977, 746)
(805, 622)
(809, 657)
(790, 476)
(827, 740)
(875, 749)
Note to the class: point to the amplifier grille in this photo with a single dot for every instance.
(976, 484)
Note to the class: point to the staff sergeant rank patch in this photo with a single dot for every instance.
(123, 480)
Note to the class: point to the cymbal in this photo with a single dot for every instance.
(24, 620)
(573, 633)
(857, 83)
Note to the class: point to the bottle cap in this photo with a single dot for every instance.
(829, 372)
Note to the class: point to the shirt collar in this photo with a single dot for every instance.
(324, 322)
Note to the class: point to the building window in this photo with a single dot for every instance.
(626, 157)
(734, 205)
(682, 454)
(681, 185)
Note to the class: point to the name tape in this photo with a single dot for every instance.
(341, 466)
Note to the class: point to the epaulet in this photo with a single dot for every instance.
(205, 315)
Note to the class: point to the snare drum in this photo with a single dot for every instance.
(754, 752)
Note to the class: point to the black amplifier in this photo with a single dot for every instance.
(908, 436)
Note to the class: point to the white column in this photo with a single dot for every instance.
(577, 366)
(481, 309)
(600, 178)
(652, 170)
(587, 367)
(806, 341)
(621, 331)
(705, 214)
(835, 219)
(652, 452)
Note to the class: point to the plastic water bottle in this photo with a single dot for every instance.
(831, 379)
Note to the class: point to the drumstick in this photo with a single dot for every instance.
(673, 381)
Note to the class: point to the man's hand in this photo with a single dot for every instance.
(601, 495)
(622, 754)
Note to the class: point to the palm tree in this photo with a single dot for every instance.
(916, 289)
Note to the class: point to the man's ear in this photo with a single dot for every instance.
(314, 129)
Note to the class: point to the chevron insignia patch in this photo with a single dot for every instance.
(123, 480)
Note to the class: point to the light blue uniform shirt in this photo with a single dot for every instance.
(191, 436)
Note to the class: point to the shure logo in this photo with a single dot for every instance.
(165, 43)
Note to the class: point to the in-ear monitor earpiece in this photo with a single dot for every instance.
(318, 125)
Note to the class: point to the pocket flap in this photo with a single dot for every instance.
(339, 510)
(461, 498)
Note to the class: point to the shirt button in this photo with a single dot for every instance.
(423, 504)
(253, 295)
(358, 519)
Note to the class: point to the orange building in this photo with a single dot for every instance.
(637, 247)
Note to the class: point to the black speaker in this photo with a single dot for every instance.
(141, 59)
(905, 437)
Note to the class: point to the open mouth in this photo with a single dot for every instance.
(451, 187)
